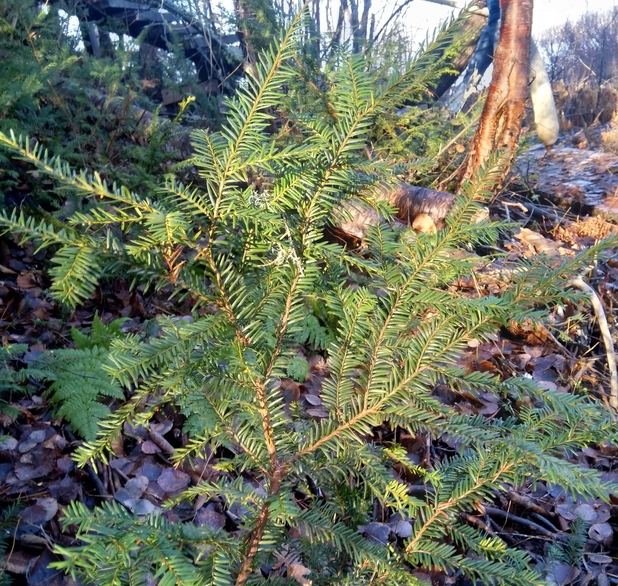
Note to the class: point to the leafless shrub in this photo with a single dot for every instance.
(607, 103)
(582, 62)
(586, 50)
(609, 139)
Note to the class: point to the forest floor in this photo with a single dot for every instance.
(553, 199)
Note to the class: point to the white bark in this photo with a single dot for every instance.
(545, 114)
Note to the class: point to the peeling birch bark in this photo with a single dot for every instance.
(500, 124)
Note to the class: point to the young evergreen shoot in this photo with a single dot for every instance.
(256, 264)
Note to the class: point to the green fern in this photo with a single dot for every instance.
(254, 261)
(100, 334)
(11, 380)
(298, 369)
(78, 381)
(572, 550)
(8, 521)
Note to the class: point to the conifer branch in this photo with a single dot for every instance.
(253, 255)
(440, 510)
(260, 101)
(57, 169)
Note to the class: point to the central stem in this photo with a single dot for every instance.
(258, 530)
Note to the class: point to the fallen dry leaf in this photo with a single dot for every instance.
(377, 532)
(173, 481)
(298, 572)
(560, 574)
(601, 533)
(536, 243)
(42, 511)
(294, 569)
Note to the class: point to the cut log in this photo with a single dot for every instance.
(411, 201)
(422, 208)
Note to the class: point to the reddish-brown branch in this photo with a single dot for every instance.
(258, 531)
(254, 544)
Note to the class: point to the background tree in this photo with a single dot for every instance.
(583, 50)
(582, 62)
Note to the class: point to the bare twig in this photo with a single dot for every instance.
(526, 502)
(580, 284)
(557, 342)
(545, 522)
(478, 522)
(96, 481)
(393, 15)
(506, 516)
(158, 440)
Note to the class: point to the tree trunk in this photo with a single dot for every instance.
(336, 40)
(317, 35)
(364, 21)
(90, 36)
(354, 25)
(466, 30)
(500, 124)
(105, 42)
(243, 16)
